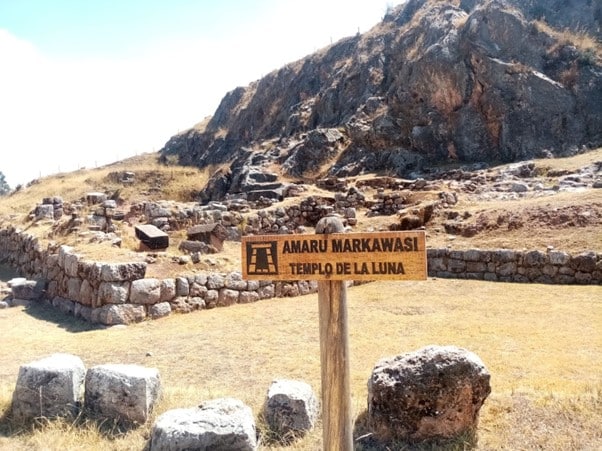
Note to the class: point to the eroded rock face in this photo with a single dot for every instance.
(433, 393)
(433, 82)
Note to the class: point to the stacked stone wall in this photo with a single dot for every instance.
(119, 293)
(504, 265)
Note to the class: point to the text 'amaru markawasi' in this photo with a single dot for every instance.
(342, 245)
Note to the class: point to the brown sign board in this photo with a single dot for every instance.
(335, 256)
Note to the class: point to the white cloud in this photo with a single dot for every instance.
(61, 114)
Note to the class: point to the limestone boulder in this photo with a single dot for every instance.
(159, 310)
(168, 290)
(125, 394)
(291, 408)
(50, 387)
(114, 314)
(433, 393)
(121, 272)
(220, 424)
(227, 297)
(145, 291)
(27, 290)
(113, 292)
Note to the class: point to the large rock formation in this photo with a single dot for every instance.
(488, 80)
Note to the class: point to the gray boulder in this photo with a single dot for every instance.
(114, 314)
(48, 388)
(27, 290)
(224, 424)
(123, 393)
(145, 291)
(121, 272)
(291, 408)
(159, 310)
(45, 211)
(433, 393)
(113, 292)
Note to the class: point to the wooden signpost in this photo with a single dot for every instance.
(331, 257)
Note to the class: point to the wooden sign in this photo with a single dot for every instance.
(336, 256)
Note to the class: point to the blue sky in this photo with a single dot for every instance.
(85, 83)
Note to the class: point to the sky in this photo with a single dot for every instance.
(86, 83)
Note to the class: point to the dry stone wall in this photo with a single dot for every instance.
(504, 265)
(119, 293)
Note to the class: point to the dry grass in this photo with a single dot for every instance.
(541, 344)
(584, 42)
(153, 181)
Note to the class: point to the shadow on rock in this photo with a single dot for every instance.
(366, 440)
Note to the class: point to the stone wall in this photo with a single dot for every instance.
(502, 265)
(119, 293)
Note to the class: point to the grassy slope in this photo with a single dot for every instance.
(540, 344)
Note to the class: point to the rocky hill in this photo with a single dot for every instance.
(434, 82)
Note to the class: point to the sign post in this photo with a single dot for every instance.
(331, 257)
(337, 433)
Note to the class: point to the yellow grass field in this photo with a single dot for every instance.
(542, 345)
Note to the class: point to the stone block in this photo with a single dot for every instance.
(159, 310)
(71, 264)
(145, 291)
(182, 286)
(558, 258)
(211, 298)
(291, 408)
(73, 288)
(234, 281)
(506, 269)
(152, 237)
(436, 264)
(87, 294)
(122, 272)
(266, 292)
(44, 211)
(125, 394)
(220, 424)
(215, 281)
(534, 258)
(113, 293)
(246, 297)
(48, 388)
(114, 314)
(168, 290)
(433, 393)
(227, 297)
(27, 290)
(197, 290)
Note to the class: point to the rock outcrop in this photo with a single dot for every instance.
(483, 81)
